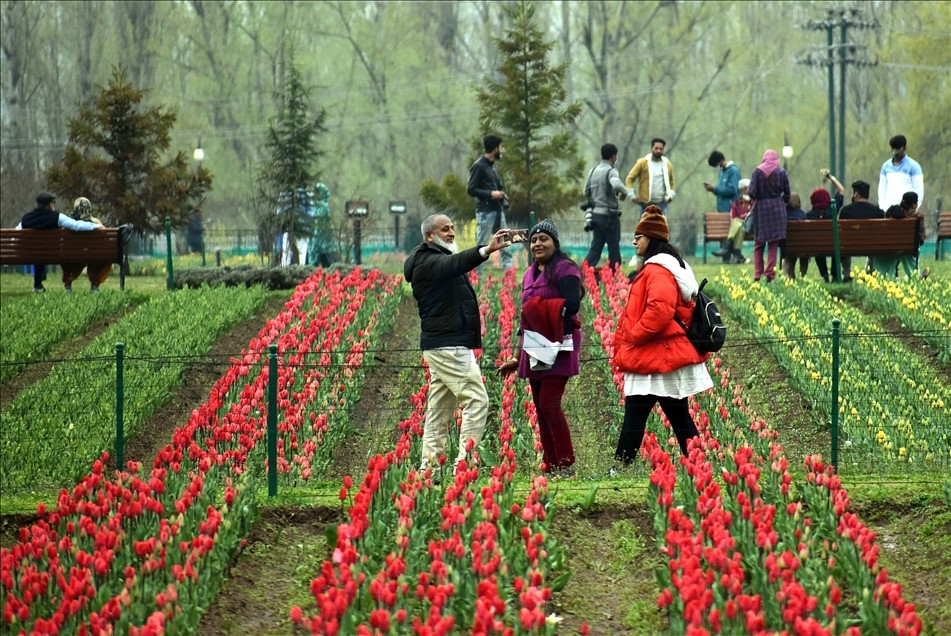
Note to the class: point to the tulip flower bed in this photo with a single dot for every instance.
(143, 551)
(415, 557)
(53, 446)
(322, 336)
(25, 339)
(751, 551)
(892, 403)
(922, 305)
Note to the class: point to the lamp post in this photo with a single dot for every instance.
(787, 151)
(357, 209)
(199, 153)
(198, 156)
(396, 209)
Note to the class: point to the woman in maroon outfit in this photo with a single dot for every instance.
(550, 341)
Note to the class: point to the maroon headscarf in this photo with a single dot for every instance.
(820, 199)
(770, 162)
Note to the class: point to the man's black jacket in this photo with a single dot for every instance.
(448, 309)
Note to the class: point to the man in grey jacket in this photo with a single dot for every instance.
(451, 331)
(603, 220)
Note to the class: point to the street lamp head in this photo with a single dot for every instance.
(199, 153)
(787, 152)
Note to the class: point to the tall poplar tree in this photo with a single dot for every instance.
(115, 158)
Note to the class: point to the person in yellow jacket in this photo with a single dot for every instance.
(655, 176)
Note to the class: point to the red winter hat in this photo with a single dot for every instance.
(820, 198)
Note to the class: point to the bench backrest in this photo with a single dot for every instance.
(59, 246)
(857, 237)
(944, 224)
(716, 226)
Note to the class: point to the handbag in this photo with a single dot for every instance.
(748, 221)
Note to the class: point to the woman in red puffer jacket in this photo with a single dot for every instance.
(660, 364)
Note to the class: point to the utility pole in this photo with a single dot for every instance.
(844, 54)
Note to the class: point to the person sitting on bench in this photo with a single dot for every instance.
(45, 217)
(97, 272)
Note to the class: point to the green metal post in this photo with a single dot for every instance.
(531, 219)
(842, 62)
(836, 256)
(835, 394)
(170, 277)
(120, 399)
(203, 250)
(272, 421)
(831, 67)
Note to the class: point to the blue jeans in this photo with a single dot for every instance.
(605, 229)
(660, 204)
(487, 224)
(39, 275)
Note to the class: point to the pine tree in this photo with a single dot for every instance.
(525, 106)
(288, 178)
(540, 165)
(115, 158)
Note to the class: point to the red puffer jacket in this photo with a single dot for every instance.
(648, 340)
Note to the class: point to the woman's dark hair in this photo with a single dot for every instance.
(895, 212)
(550, 267)
(656, 246)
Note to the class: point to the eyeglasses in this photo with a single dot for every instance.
(638, 237)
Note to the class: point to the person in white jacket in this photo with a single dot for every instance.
(900, 174)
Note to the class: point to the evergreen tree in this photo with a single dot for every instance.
(115, 158)
(525, 106)
(288, 178)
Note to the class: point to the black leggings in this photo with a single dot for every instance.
(637, 408)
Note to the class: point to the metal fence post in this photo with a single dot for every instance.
(170, 276)
(835, 394)
(272, 421)
(120, 399)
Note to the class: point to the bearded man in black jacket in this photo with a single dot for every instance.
(451, 330)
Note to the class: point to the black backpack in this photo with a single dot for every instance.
(706, 330)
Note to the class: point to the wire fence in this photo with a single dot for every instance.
(892, 415)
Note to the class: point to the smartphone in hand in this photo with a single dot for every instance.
(518, 236)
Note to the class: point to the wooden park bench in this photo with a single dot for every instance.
(944, 233)
(716, 227)
(66, 247)
(857, 237)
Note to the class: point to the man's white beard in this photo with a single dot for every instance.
(452, 247)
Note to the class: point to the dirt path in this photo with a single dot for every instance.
(374, 415)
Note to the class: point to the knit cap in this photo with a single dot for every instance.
(653, 223)
(548, 227)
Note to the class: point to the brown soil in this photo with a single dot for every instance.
(374, 414)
